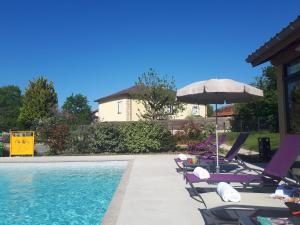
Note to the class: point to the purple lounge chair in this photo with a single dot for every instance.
(213, 148)
(211, 151)
(274, 172)
(202, 146)
(206, 143)
(209, 160)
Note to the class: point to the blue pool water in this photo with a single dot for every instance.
(57, 193)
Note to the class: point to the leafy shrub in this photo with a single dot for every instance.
(191, 130)
(208, 129)
(193, 133)
(124, 137)
(96, 138)
(54, 131)
(146, 136)
(180, 137)
(78, 140)
(105, 137)
(44, 127)
(58, 139)
(133, 137)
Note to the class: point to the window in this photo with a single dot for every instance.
(195, 110)
(120, 108)
(292, 87)
(293, 68)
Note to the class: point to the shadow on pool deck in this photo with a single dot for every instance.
(252, 196)
(231, 214)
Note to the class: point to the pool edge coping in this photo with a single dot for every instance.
(112, 213)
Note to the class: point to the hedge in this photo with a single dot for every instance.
(123, 137)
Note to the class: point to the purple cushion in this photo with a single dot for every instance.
(284, 156)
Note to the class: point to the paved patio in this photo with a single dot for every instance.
(157, 194)
(152, 192)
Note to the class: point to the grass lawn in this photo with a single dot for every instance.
(251, 142)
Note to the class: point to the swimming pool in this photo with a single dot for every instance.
(57, 193)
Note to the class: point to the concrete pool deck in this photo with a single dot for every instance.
(152, 192)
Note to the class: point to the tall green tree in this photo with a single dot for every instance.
(158, 96)
(78, 107)
(39, 102)
(210, 110)
(10, 104)
(261, 114)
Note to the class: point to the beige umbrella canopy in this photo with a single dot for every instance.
(218, 91)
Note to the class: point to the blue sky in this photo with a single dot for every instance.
(99, 47)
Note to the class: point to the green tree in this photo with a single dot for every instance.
(158, 96)
(10, 104)
(54, 131)
(77, 106)
(261, 114)
(210, 110)
(40, 101)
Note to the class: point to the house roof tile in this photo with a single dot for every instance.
(126, 93)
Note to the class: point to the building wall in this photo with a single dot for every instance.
(136, 109)
(191, 109)
(131, 109)
(108, 111)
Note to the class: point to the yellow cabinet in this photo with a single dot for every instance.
(21, 143)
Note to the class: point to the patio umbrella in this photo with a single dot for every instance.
(218, 91)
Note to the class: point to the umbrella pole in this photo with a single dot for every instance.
(217, 142)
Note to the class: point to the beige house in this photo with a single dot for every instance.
(121, 106)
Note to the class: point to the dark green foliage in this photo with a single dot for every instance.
(39, 102)
(77, 106)
(210, 110)
(158, 96)
(141, 137)
(44, 127)
(261, 114)
(10, 104)
(132, 137)
(54, 131)
(79, 141)
(123, 137)
(58, 139)
(104, 137)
